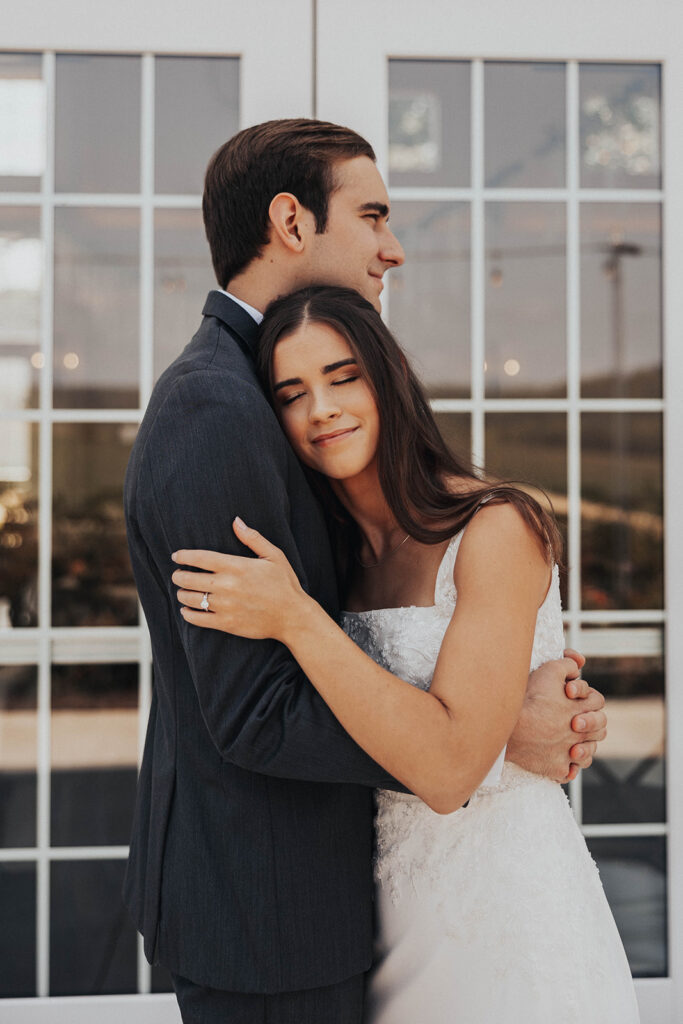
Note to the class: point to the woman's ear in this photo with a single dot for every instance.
(290, 221)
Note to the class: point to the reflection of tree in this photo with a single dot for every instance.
(19, 555)
(91, 576)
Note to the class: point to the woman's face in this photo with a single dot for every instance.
(327, 409)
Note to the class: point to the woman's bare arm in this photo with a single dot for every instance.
(439, 743)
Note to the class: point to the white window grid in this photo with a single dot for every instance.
(620, 638)
(45, 645)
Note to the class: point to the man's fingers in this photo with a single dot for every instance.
(590, 722)
(577, 689)
(582, 754)
(575, 656)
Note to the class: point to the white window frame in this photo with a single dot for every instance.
(274, 43)
(355, 40)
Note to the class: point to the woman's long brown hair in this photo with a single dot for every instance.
(415, 466)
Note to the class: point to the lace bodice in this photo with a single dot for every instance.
(406, 641)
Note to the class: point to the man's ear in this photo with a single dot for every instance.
(290, 222)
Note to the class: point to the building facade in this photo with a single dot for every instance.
(534, 166)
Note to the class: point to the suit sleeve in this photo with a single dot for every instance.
(215, 452)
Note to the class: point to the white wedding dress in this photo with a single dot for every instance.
(494, 914)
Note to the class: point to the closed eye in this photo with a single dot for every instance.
(291, 398)
(345, 380)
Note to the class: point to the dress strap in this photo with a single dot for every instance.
(444, 590)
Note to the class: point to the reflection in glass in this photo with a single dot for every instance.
(429, 122)
(94, 753)
(21, 272)
(456, 431)
(429, 298)
(525, 300)
(621, 300)
(621, 510)
(620, 125)
(18, 524)
(92, 582)
(92, 940)
(18, 755)
(97, 123)
(22, 122)
(633, 873)
(626, 781)
(182, 277)
(531, 448)
(524, 119)
(97, 261)
(196, 111)
(18, 932)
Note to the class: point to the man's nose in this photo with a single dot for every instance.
(392, 250)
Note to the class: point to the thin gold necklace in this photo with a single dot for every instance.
(372, 565)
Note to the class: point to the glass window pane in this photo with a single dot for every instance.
(626, 782)
(196, 111)
(621, 300)
(456, 430)
(621, 512)
(22, 122)
(93, 947)
(182, 277)
(429, 122)
(18, 524)
(97, 124)
(525, 300)
(620, 125)
(18, 754)
(94, 753)
(21, 274)
(92, 582)
(429, 298)
(97, 266)
(531, 448)
(18, 934)
(633, 872)
(524, 125)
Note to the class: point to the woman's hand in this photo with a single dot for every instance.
(251, 597)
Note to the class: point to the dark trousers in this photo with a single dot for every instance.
(335, 1004)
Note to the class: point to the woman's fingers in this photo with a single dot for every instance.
(254, 540)
(211, 561)
(193, 599)
(199, 581)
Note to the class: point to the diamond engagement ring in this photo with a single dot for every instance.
(205, 603)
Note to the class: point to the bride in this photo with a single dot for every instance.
(489, 907)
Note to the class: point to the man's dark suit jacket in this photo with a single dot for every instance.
(250, 862)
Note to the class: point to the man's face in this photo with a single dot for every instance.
(357, 247)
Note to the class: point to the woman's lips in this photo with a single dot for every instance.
(337, 435)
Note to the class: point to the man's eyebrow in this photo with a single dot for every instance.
(330, 368)
(381, 208)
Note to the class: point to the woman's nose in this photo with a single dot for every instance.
(323, 407)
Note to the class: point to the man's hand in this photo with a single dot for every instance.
(561, 722)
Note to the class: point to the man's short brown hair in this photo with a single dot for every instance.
(296, 155)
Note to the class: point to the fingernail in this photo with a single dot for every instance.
(580, 752)
(239, 523)
(581, 722)
(174, 556)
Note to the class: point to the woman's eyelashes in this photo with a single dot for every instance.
(289, 399)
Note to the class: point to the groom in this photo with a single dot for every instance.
(250, 865)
